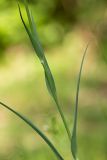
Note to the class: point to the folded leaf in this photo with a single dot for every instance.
(40, 53)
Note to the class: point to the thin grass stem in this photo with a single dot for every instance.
(50, 83)
(38, 131)
(74, 131)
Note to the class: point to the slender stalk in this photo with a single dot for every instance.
(40, 53)
(63, 119)
(40, 133)
(74, 131)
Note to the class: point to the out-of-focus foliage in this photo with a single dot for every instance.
(21, 85)
(64, 27)
(53, 18)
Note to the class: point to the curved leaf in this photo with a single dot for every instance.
(50, 83)
(74, 132)
(38, 131)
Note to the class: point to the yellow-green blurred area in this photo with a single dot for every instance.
(64, 27)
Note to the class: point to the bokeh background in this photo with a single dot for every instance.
(64, 27)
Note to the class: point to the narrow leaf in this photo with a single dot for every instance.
(50, 81)
(40, 53)
(50, 87)
(38, 131)
(37, 46)
(28, 14)
(34, 44)
(74, 132)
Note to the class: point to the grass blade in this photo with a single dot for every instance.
(74, 132)
(34, 44)
(40, 53)
(40, 133)
(28, 14)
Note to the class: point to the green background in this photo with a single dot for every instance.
(64, 27)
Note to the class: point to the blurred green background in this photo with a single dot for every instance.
(64, 27)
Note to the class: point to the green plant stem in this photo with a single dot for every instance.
(74, 131)
(63, 119)
(26, 120)
(40, 53)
